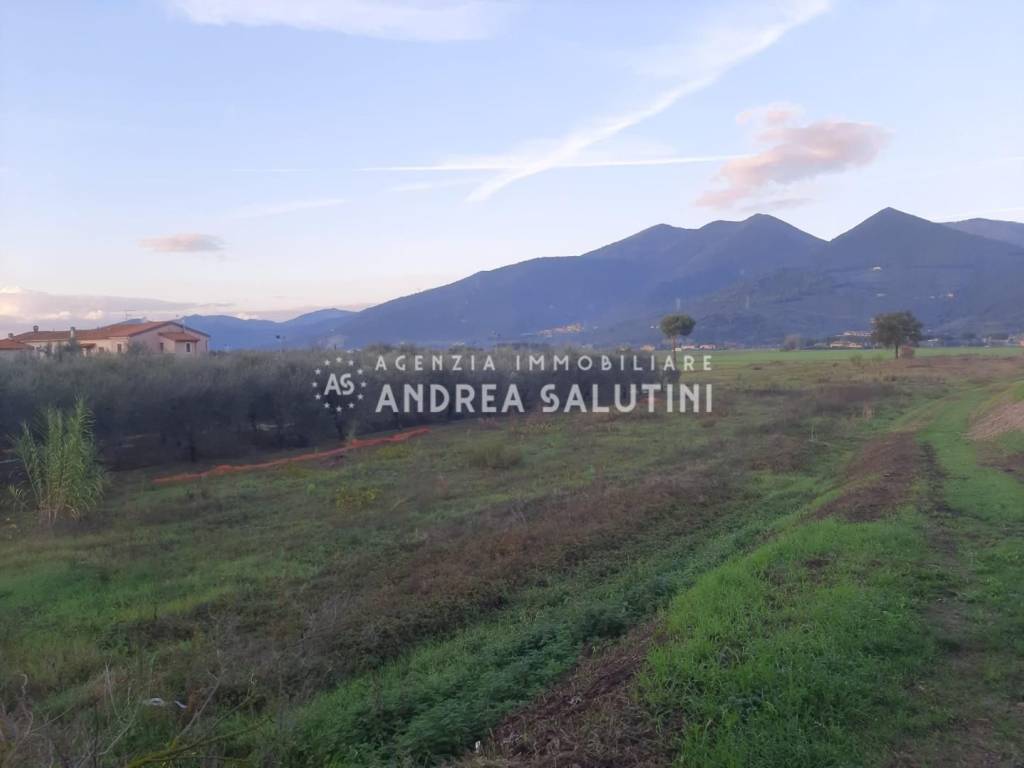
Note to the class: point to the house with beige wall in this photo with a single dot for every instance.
(164, 337)
(10, 349)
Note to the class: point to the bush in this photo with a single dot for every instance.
(62, 476)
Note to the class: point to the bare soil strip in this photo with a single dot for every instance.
(882, 478)
(1003, 418)
(591, 720)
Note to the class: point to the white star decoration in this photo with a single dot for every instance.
(336, 406)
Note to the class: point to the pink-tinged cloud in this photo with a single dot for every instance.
(184, 243)
(795, 154)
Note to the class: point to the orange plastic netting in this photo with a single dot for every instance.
(230, 469)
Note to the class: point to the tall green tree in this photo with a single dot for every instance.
(895, 329)
(674, 326)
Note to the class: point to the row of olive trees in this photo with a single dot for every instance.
(155, 409)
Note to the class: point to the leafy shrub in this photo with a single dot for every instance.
(63, 477)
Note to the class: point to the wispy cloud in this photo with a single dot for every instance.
(508, 164)
(424, 186)
(794, 153)
(714, 50)
(21, 308)
(429, 20)
(183, 243)
(278, 209)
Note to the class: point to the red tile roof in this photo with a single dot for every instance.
(115, 331)
(179, 336)
(42, 336)
(10, 345)
(121, 330)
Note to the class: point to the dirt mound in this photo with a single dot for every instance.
(1005, 418)
(591, 719)
(882, 476)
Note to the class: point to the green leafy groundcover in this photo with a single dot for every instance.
(799, 653)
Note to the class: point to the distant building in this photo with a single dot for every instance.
(167, 337)
(9, 348)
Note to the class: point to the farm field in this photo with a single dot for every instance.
(828, 570)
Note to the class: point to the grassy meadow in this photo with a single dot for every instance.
(826, 571)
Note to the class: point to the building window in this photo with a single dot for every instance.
(161, 346)
(188, 346)
(118, 347)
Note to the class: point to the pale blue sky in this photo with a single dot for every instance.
(136, 136)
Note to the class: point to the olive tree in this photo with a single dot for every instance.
(894, 329)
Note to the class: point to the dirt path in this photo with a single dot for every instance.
(591, 720)
(968, 712)
(974, 724)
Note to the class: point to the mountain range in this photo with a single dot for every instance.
(227, 332)
(746, 282)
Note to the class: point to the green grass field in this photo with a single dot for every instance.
(742, 357)
(826, 571)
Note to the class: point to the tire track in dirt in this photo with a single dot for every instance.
(969, 739)
(880, 478)
(593, 719)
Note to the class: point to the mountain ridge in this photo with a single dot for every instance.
(750, 281)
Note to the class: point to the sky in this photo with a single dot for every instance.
(263, 157)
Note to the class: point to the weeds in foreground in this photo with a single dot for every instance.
(63, 479)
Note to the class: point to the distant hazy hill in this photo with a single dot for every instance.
(313, 328)
(1007, 231)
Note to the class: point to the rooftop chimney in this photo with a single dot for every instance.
(10, 335)
(72, 331)
(35, 329)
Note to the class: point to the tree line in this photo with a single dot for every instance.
(150, 409)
